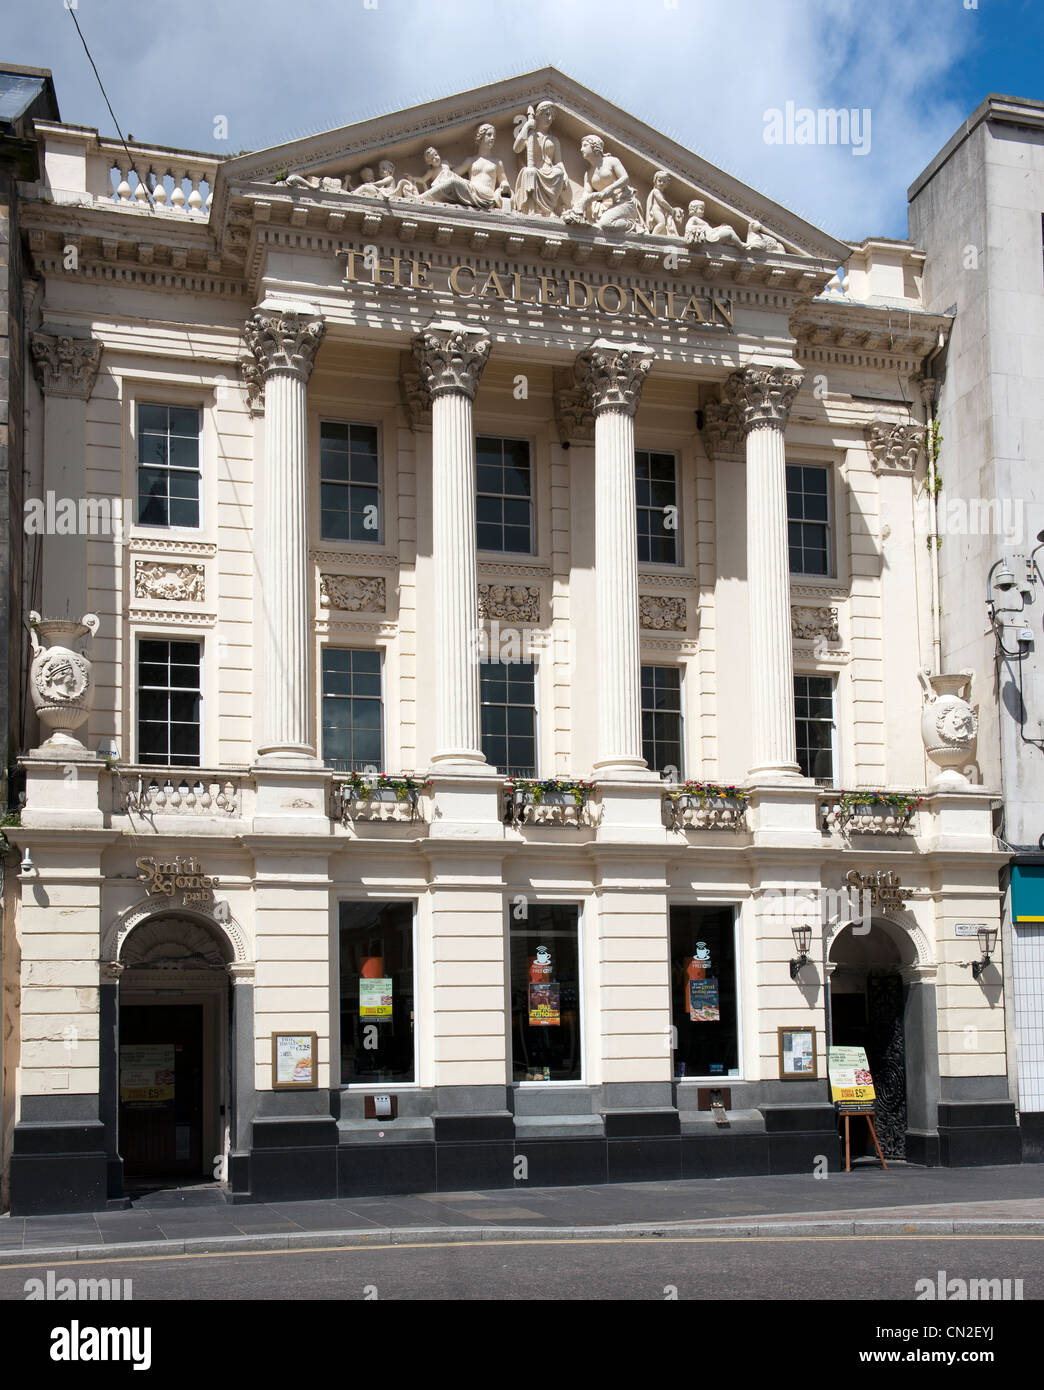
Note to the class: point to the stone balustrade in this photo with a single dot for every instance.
(840, 815)
(534, 803)
(684, 810)
(174, 185)
(147, 791)
(404, 800)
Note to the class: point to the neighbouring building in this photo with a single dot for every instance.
(506, 639)
(26, 94)
(978, 212)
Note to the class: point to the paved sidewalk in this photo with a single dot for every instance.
(867, 1201)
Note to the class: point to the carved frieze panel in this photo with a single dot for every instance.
(807, 624)
(178, 583)
(513, 603)
(353, 593)
(660, 612)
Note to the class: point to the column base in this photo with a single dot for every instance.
(777, 775)
(288, 756)
(461, 762)
(624, 770)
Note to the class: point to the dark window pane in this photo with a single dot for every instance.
(376, 992)
(152, 417)
(703, 991)
(546, 1018)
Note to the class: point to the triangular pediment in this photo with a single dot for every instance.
(533, 166)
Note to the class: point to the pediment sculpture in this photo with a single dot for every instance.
(542, 187)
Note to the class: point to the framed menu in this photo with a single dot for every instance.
(295, 1062)
(797, 1054)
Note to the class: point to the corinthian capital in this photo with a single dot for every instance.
(894, 447)
(283, 340)
(451, 358)
(65, 366)
(613, 374)
(723, 433)
(763, 395)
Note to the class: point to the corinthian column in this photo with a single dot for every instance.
(763, 397)
(284, 344)
(612, 375)
(450, 358)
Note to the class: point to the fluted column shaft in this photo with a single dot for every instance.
(285, 344)
(763, 397)
(451, 358)
(613, 375)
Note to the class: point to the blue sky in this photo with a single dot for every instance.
(704, 71)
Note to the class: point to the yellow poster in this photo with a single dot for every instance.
(375, 998)
(147, 1073)
(850, 1079)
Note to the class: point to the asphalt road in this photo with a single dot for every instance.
(629, 1268)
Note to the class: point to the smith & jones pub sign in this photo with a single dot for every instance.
(464, 281)
(180, 875)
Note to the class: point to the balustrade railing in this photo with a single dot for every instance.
(869, 813)
(551, 801)
(704, 806)
(380, 797)
(147, 791)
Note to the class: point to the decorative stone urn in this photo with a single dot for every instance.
(60, 678)
(948, 726)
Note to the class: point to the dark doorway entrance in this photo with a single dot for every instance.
(161, 1089)
(866, 1010)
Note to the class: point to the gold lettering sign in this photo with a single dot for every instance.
(179, 875)
(885, 887)
(465, 282)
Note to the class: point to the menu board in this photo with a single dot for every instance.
(147, 1074)
(850, 1081)
(294, 1060)
(375, 998)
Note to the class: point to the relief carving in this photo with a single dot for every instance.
(353, 593)
(179, 583)
(894, 447)
(658, 612)
(543, 187)
(806, 624)
(65, 366)
(514, 602)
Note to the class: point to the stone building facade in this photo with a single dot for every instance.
(507, 632)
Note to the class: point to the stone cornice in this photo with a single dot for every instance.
(65, 366)
(866, 335)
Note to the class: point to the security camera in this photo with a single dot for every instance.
(27, 861)
(1004, 579)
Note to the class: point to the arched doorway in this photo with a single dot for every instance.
(174, 1024)
(868, 1004)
